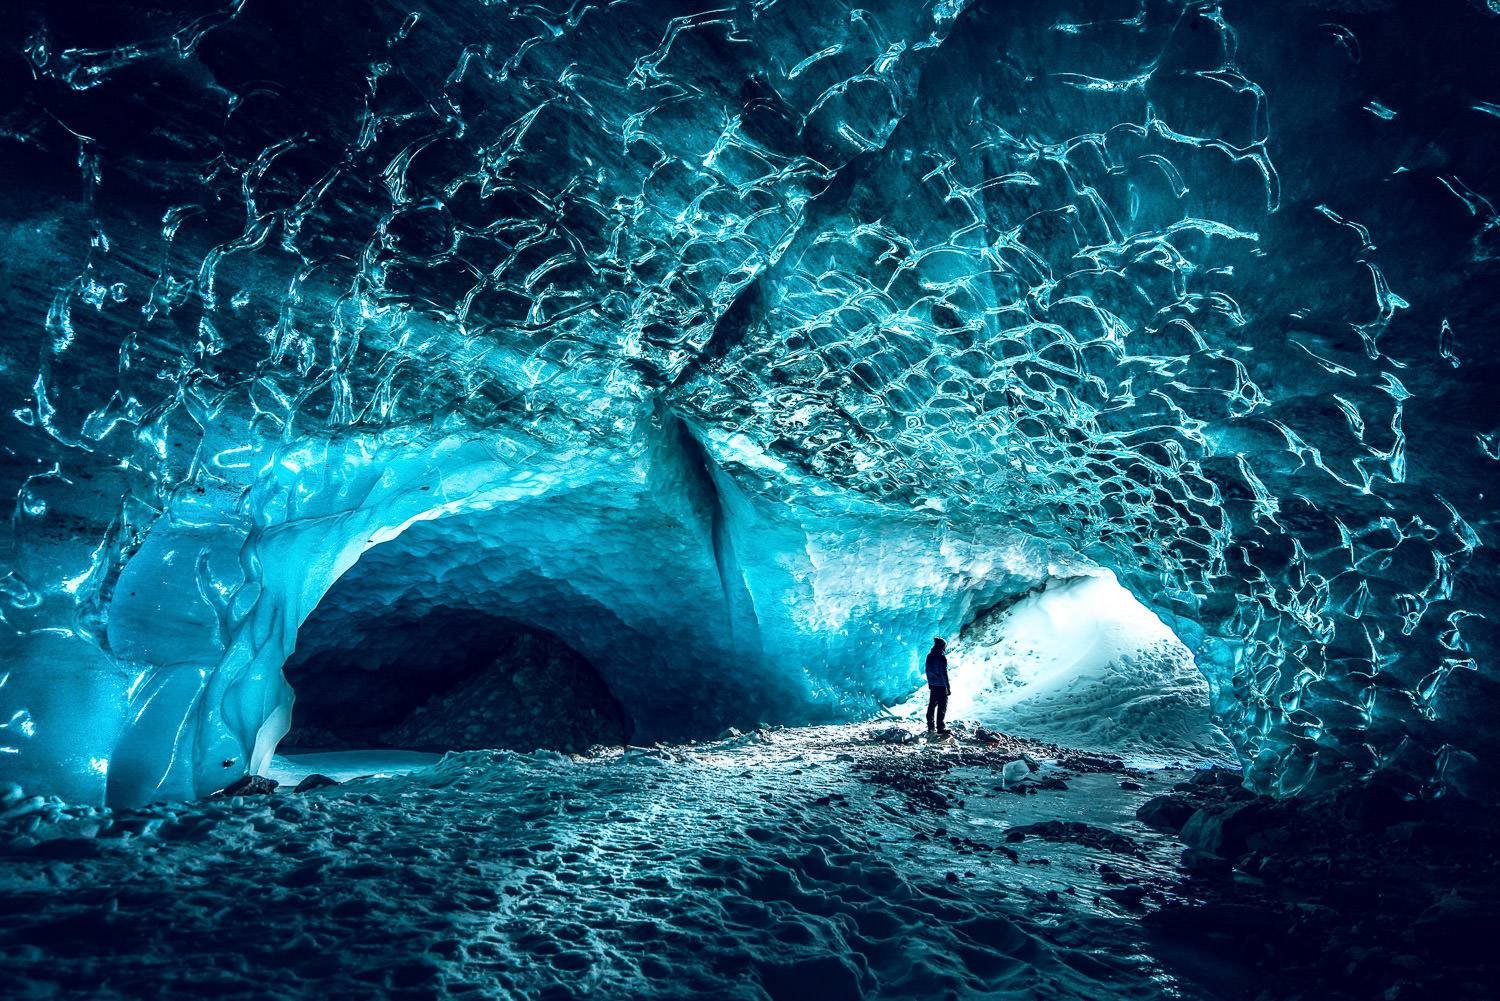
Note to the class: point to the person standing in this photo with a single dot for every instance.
(937, 686)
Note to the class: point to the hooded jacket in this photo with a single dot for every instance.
(937, 668)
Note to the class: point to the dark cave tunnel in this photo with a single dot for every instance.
(445, 679)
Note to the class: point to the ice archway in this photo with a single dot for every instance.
(764, 340)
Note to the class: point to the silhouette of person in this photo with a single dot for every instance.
(937, 686)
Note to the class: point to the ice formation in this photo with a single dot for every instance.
(743, 348)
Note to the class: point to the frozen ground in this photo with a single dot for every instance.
(812, 862)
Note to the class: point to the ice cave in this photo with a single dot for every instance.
(488, 474)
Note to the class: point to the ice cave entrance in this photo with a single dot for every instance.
(441, 679)
(1081, 661)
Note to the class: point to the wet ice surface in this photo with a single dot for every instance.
(813, 862)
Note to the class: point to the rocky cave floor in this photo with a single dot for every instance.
(827, 863)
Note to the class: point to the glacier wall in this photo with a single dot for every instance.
(743, 347)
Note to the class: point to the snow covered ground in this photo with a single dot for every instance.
(829, 862)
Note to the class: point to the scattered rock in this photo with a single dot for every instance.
(1093, 763)
(247, 785)
(1339, 894)
(1217, 776)
(1077, 833)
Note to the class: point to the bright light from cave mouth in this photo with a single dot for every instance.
(1081, 647)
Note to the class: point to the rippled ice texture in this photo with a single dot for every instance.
(744, 347)
(763, 865)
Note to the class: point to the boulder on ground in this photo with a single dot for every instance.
(1165, 813)
(1199, 863)
(1228, 832)
(247, 785)
(315, 781)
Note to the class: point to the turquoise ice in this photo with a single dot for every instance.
(744, 350)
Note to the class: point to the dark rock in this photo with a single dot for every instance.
(1377, 804)
(1227, 832)
(1457, 927)
(1131, 785)
(1216, 917)
(1204, 864)
(1165, 813)
(1092, 763)
(537, 692)
(1130, 895)
(1225, 777)
(514, 687)
(66, 849)
(247, 785)
(1077, 833)
(315, 781)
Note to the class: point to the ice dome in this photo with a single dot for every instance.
(738, 350)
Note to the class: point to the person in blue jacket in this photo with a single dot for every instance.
(937, 686)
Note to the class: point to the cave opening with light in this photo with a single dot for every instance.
(487, 477)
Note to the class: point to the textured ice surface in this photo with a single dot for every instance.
(768, 865)
(744, 347)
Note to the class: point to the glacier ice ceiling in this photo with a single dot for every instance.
(742, 347)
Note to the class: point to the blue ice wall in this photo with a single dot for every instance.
(746, 344)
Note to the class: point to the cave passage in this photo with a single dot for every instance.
(445, 679)
(748, 348)
(1083, 662)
